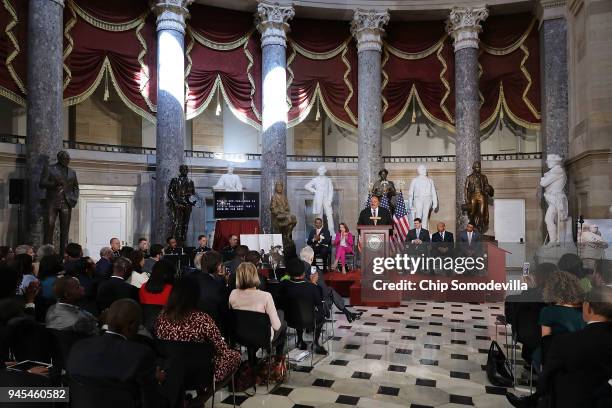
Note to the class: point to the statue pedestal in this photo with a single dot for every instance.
(553, 254)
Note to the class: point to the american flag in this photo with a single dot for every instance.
(384, 202)
(367, 203)
(401, 224)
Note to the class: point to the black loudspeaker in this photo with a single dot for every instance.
(16, 191)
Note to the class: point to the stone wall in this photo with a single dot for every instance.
(590, 96)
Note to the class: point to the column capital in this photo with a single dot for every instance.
(171, 14)
(367, 28)
(463, 24)
(551, 9)
(271, 21)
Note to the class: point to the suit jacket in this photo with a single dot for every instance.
(423, 235)
(114, 289)
(383, 213)
(578, 366)
(448, 237)
(104, 269)
(463, 237)
(304, 290)
(110, 357)
(214, 296)
(326, 241)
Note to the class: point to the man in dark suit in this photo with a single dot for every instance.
(442, 241)
(306, 291)
(239, 255)
(469, 241)
(114, 357)
(202, 244)
(104, 267)
(320, 241)
(416, 243)
(228, 251)
(116, 287)
(578, 365)
(214, 295)
(375, 215)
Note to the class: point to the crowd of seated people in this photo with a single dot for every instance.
(107, 305)
(564, 324)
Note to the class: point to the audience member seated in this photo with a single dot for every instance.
(330, 296)
(239, 255)
(126, 252)
(602, 275)
(25, 271)
(138, 276)
(573, 264)
(213, 292)
(157, 289)
(247, 296)
(48, 271)
(115, 357)
(6, 253)
(320, 240)
(65, 314)
(172, 247)
(578, 365)
(296, 287)
(73, 263)
(182, 321)
(43, 250)
(202, 244)
(254, 258)
(104, 266)
(156, 254)
(24, 249)
(563, 292)
(116, 287)
(143, 246)
(115, 246)
(522, 311)
(343, 242)
(228, 250)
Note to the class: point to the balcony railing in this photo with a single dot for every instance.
(238, 157)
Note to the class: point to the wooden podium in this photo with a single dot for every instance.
(374, 243)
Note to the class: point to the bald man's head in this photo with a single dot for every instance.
(124, 317)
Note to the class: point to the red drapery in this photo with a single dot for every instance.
(418, 68)
(226, 228)
(510, 63)
(113, 42)
(13, 51)
(322, 70)
(104, 44)
(223, 53)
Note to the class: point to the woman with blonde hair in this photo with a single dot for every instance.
(248, 297)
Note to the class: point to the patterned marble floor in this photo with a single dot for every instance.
(422, 354)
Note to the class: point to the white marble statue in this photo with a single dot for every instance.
(422, 196)
(553, 183)
(229, 181)
(323, 190)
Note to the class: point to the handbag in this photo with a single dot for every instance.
(278, 371)
(499, 370)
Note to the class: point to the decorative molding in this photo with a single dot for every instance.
(59, 2)
(171, 14)
(271, 21)
(367, 28)
(552, 9)
(463, 24)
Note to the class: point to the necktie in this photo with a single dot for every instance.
(442, 235)
(469, 237)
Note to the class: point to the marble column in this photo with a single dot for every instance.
(170, 131)
(553, 74)
(367, 28)
(44, 98)
(463, 25)
(271, 21)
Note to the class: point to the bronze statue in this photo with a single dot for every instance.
(62, 187)
(283, 221)
(384, 187)
(180, 194)
(477, 193)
